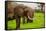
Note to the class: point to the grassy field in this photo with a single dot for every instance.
(38, 22)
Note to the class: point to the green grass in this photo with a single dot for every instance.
(38, 22)
(11, 24)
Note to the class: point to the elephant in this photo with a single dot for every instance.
(23, 11)
(20, 10)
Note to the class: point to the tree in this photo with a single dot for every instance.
(42, 7)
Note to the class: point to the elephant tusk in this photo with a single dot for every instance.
(30, 18)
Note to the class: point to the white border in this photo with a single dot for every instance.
(2, 15)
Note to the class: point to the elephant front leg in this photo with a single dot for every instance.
(23, 20)
(17, 23)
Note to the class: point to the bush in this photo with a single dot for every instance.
(38, 11)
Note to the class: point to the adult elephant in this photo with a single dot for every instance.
(20, 10)
(23, 11)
